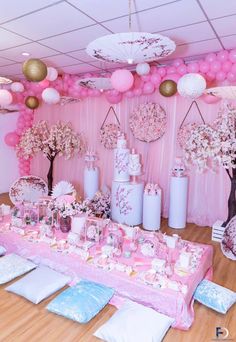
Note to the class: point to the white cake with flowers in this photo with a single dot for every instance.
(134, 164)
(121, 160)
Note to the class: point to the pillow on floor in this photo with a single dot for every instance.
(39, 284)
(134, 322)
(215, 296)
(81, 302)
(12, 266)
(2, 251)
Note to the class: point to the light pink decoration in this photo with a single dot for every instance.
(12, 139)
(122, 80)
(223, 55)
(52, 74)
(148, 88)
(5, 97)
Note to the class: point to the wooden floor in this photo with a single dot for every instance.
(21, 321)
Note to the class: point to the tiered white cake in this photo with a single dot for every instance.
(121, 161)
(134, 164)
(127, 197)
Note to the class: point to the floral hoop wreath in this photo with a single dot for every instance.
(109, 133)
(148, 122)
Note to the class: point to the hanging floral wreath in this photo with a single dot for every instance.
(184, 133)
(148, 122)
(109, 134)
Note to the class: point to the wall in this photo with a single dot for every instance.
(8, 161)
(208, 192)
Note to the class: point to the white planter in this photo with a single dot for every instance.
(151, 212)
(178, 202)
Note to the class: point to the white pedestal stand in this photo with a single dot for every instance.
(151, 212)
(178, 202)
(91, 182)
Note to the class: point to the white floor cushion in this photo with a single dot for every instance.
(39, 284)
(134, 322)
(12, 266)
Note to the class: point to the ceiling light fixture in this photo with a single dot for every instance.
(130, 47)
(25, 54)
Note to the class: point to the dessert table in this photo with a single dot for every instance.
(128, 276)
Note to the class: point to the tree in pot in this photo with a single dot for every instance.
(209, 146)
(57, 140)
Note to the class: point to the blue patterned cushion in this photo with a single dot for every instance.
(81, 302)
(215, 296)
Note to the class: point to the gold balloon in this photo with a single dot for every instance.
(34, 70)
(168, 88)
(32, 102)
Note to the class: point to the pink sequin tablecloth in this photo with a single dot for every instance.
(176, 304)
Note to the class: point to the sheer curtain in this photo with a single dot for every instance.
(208, 191)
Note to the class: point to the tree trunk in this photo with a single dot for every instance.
(50, 176)
(232, 198)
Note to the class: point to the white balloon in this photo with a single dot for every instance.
(5, 97)
(142, 68)
(17, 87)
(191, 85)
(51, 74)
(50, 96)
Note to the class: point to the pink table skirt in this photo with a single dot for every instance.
(172, 303)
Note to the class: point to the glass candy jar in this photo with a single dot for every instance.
(65, 224)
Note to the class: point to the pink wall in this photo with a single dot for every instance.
(207, 193)
(8, 161)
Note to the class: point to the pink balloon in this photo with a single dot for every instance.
(153, 69)
(137, 81)
(171, 70)
(177, 62)
(226, 66)
(96, 93)
(161, 71)
(172, 77)
(210, 57)
(113, 99)
(12, 139)
(122, 80)
(232, 56)
(146, 78)
(155, 79)
(148, 88)
(210, 76)
(129, 94)
(182, 69)
(215, 66)
(137, 92)
(44, 83)
(231, 76)
(210, 99)
(193, 67)
(220, 76)
(223, 55)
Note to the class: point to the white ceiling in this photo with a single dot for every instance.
(58, 31)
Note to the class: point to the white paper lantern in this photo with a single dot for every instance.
(17, 87)
(51, 74)
(5, 97)
(50, 96)
(191, 85)
(142, 68)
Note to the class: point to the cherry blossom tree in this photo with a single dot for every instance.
(209, 146)
(57, 140)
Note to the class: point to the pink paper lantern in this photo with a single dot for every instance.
(5, 97)
(122, 80)
(12, 139)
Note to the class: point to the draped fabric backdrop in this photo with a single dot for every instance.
(208, 192)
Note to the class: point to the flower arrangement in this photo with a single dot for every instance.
(109, 134)
(59, 139)
(84, 207)
(65, 209)
(148, 122)
(218, 145)
(152, 189)
(101, 204)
